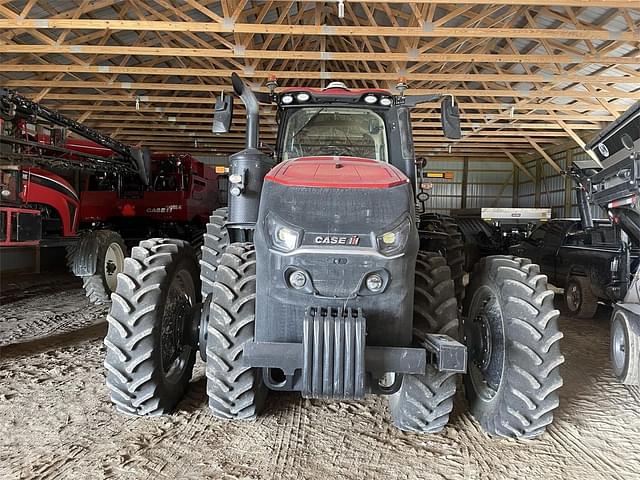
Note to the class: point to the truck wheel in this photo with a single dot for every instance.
(109, 250)
(216, 239)
(579, 298)
(149, 358)
(625, 347)
(424, 402)
(511, 332)
(455, 255)
(235, 391)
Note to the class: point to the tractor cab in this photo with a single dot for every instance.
(337, 122)
(168, 174)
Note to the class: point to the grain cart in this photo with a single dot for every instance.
(312, 281)
(613, 184)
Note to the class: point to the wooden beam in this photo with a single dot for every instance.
(465, 182)
(190, 87)
(518, 164)
(568, 185)
(579, 141)
(114, 50)
(544, 154)
(537, 184)
(222, 26)
(317, 74)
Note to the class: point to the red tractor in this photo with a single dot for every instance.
(313, 281)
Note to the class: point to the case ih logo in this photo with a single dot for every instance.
(351, 240)
(167, 209)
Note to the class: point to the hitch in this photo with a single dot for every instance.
(448, 355)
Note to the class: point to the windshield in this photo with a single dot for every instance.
(353, 132)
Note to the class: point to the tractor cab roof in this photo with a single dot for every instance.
(336, 88)
(335, 92)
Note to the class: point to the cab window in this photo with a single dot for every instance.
(344, 131)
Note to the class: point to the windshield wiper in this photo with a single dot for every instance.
(311, 119)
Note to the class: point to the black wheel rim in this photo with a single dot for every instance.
(174, 348)
(484, 337)
(573, 296)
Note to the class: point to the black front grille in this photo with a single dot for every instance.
(333, 353)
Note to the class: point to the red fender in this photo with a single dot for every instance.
(45, 188)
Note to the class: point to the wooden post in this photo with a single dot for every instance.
(514, 188)
(538, 183)
(465, 181)
(568, 184)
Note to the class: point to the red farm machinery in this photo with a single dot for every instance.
(121, 194)
(318, 278)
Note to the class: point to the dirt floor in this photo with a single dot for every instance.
(56, 420)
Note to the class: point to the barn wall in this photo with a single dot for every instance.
(489, 184)
(554, 190)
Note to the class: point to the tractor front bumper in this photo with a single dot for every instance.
(334, 362)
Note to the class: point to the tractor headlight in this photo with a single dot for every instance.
(393, 241)
(287, 99)
(370, 99)
(302, 97)
(283, 237)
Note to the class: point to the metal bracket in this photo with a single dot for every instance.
(450, 355)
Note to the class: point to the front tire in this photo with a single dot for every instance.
(109, 250)
(236, 391)
(424, 402)
(579, 298)
(512, 339)
(215, 241)
(149, 360)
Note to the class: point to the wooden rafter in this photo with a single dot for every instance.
(527, 75)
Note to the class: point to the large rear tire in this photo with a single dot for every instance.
(216, 240)
(236, 391)
(511, 331)
(455, 255)
(452, 248)
(109, 250)
(424, 402)
(149, 358)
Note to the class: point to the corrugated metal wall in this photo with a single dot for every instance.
(552, 188)
(489, 184)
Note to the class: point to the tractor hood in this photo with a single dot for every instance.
(336, 172)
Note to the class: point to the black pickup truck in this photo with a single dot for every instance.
(586, 263)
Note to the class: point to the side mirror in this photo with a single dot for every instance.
(223, 114)
(450, 117)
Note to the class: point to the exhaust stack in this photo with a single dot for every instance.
(253, 115)
(248, 167)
